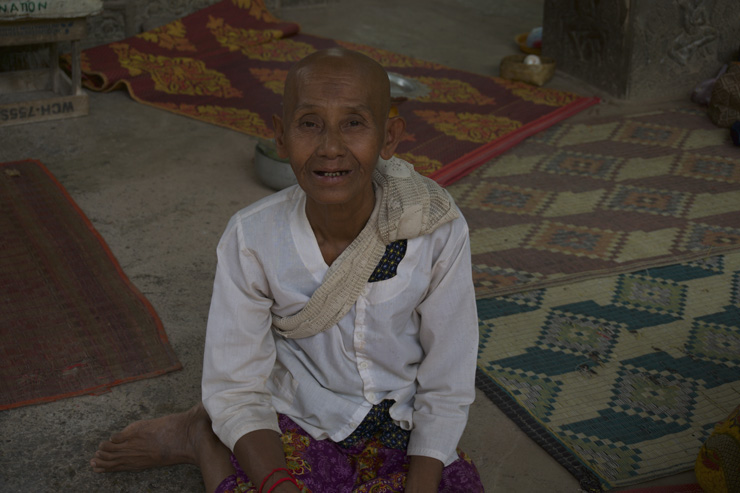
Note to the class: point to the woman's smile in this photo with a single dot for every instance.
(331, 174)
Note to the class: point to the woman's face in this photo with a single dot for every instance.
(335, 125)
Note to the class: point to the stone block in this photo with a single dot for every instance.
(48, 9)
(642, 49)
(123, 18)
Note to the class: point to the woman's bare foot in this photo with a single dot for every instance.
(175, 439)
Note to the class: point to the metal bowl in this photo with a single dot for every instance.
(274, 173)
(405, 87)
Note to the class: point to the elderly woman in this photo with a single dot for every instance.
(342, 336)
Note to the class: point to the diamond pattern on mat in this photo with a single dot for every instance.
(586, 133)
(648, 244)
(648, 200)
(571, 203)
(710, 204)
(637, 168)
(709, 168)
(532, 299)
(536, 393)
(496, 197)
(651, 294)
(485, 330)
(485, 240)
(613, 458)
(506, 165)
(488, 277)
(549, 136)
(579, 334)
(704, 237)
(582, 164)
(635, 132)
(671, 368)
(715, 265)
(576, 240)
(648, 194)
(646, 404)
(694, 269)
(522, 302)
(701, 138)
(713, 341)
(654, 394)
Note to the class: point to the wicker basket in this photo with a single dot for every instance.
(513, 67)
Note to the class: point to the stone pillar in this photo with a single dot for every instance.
(642, 49)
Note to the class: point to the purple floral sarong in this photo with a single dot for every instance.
(323, 466)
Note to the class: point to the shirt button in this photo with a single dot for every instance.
(353, 425)
(371, 396)
(363, 365)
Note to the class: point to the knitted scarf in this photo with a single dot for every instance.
(407, 205)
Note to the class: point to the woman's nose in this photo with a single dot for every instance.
(332, 143)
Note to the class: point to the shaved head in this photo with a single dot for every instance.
(334, 127)
(372, 75)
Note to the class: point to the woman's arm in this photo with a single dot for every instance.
(424, 474)
(448, 335)
(239, 356)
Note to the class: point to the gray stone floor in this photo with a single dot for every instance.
(160, 189)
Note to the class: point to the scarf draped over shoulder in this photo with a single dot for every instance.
(407, 205)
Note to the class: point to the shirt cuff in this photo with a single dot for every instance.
(230, 431)
(436, 437)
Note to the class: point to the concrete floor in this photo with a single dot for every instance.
(160, 189)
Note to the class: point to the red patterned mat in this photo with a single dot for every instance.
(615, 195)
(226, 64)
(72, 323)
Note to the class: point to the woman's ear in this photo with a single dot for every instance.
(394, 130)
(277, 124)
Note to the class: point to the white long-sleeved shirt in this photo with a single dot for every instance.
(412, 338)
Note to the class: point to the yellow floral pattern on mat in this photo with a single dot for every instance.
(280, 50)
(445, 90)
(472, 127)
(538, 95)
(243, 120)
(257, 9)
(236, 39)
(176, 75)
(172, 36)
(422, 164)
(85, 64)
(272, 79)
(388, 58)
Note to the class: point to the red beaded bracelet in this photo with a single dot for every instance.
(279, 481)
(270, 475)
